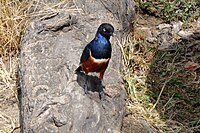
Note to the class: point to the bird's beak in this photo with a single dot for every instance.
(112, 34)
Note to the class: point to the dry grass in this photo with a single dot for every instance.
(138, 58)
(179, 102)
(14, 17)
(13, 20)
(160, 90)
(12, 24)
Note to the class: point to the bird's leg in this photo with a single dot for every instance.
(101, 91)
(86, 84)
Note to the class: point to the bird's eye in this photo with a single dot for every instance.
(104, 29)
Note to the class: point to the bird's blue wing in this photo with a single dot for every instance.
(85, 55)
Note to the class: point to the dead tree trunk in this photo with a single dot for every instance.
(51, 98)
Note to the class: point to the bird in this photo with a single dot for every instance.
(96, 55)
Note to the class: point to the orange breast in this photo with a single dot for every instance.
(93, 65)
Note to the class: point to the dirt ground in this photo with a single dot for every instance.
(9, 112)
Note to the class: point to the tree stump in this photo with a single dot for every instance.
(52, 96)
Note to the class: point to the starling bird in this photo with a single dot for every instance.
(96, 55)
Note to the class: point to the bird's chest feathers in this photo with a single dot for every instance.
(100, 48)
(101, 42)
(99, 61)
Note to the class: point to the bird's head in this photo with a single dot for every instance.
(106, 30)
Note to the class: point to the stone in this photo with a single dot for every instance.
(52, 98)
(163, 26)
(177, 26)
(185, 34)
(198, 24)
(165, 37)
(151, 39)
(133, 125)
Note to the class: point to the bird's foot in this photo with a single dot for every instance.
(102, 95)
(86, 85)
(86, 89)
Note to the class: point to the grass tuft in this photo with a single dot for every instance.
(160, 89)
(13, 20)
(12, 24)
(172, 10)
(14, 17)
(138, 58)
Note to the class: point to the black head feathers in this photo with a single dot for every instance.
(106, 30)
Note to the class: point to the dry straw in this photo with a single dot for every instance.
(14, 17)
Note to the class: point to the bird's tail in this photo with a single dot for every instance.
(78, 69)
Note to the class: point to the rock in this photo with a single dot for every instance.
(165, 37)
(163, 26)
(189, 35)
(198, 24)
(169, 35)
(133, 125)
(185, 34)
(196, 35)
(52, 97)
(151, 39)
(177, 26)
